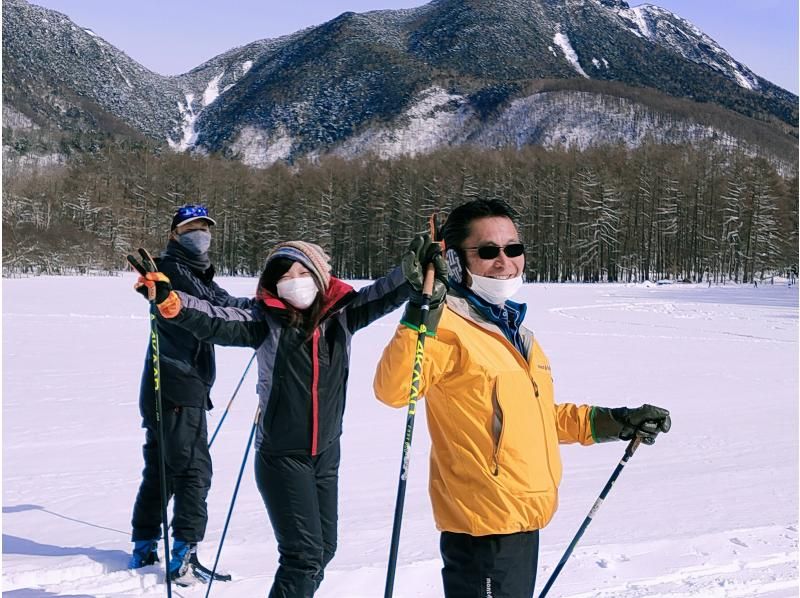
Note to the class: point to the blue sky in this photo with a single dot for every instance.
(173, 36)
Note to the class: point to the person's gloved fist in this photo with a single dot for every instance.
(421, 252)
(624, 423)
(154, 286)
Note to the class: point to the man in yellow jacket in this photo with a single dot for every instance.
(495, 428)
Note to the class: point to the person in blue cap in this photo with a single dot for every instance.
(187, 375)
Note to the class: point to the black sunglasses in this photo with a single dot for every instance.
(490, 252)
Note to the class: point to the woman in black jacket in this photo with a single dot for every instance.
(301, 326)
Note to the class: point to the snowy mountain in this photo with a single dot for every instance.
(405, 81)
(56, 71)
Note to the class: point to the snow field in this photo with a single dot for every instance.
(711, 510)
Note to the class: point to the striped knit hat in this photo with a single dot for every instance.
(310, 255)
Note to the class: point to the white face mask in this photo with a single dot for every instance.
(300, 292)
(495, 290)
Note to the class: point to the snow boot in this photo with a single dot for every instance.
(179, 564)
(145, 552)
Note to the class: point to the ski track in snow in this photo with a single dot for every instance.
(599, 313)
(710, 511)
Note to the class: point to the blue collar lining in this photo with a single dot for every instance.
(508, 316)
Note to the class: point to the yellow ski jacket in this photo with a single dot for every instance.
(495, 428)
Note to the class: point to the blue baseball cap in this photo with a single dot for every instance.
(190, 212)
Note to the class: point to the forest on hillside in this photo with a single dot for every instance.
(604, 214)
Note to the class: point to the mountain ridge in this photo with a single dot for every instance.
(323, 88)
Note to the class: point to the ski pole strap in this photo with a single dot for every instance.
(421, 329)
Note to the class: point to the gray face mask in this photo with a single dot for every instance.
(195, 241)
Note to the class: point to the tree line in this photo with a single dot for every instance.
(603, 214)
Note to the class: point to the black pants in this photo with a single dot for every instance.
(498, 566)
(301, 496)
(188, 472)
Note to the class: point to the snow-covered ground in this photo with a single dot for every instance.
(710, 511)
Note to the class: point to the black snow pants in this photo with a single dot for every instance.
(188, 475)
(496, 566)
(301, 496)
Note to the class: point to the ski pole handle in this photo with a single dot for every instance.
(136, 265)
(145, 267)
(427, 284)
(632, 446)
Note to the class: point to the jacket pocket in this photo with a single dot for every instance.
(497, 431)
(179, 365)
(521, 451)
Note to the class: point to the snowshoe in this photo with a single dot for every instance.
(204, 573)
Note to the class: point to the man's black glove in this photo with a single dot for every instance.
(421, 252)
(154, 286)
(624, 423)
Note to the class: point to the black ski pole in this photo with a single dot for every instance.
(148, 265)
(228, 408)
(629, 450)
(233, 501)
(416, 376)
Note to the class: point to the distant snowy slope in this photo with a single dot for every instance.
(679, 35)
(355, 82)
(710, 511)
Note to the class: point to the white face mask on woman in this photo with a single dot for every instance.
(300, 292)
(495, 290)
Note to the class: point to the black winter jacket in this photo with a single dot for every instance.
(301, 382)
(187, 363)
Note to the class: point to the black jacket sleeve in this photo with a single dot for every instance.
(184, 279)
(228, 326)
(224, 299)
(376, 300)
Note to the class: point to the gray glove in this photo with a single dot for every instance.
(623, 423)
(421, 252)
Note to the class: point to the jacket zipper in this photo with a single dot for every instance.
(496, 454)
(314, 391)
(541, 417)
(527, 365)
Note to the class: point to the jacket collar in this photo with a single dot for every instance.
(509, 315)
(469, 306)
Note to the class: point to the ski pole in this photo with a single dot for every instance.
(225, 413)
(148, 265)
(416, 376)
(233, 501)
(629, 450)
